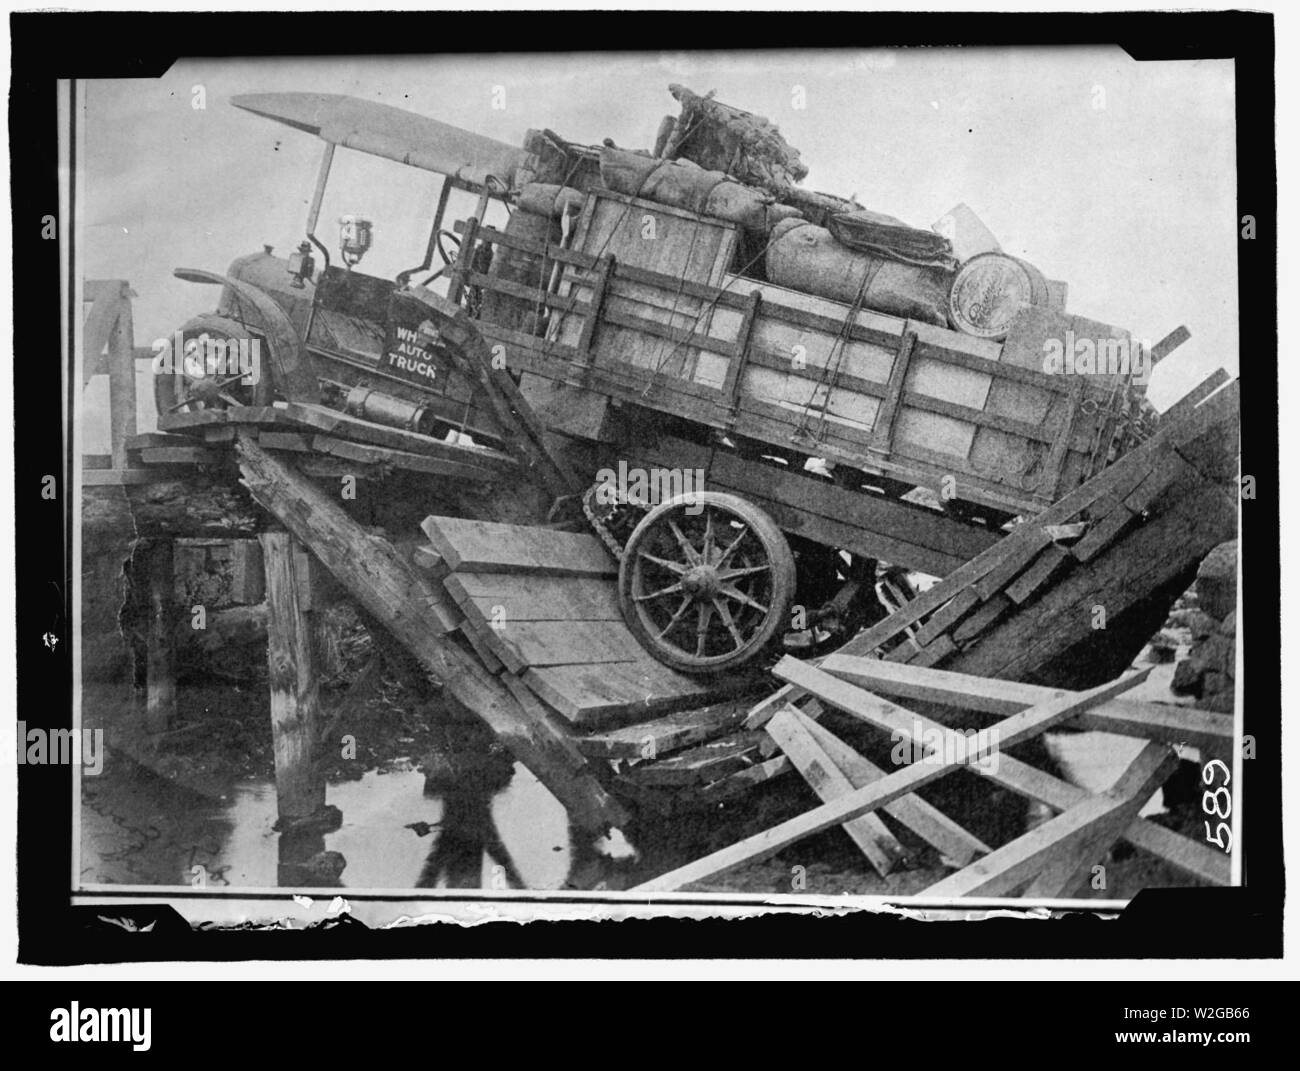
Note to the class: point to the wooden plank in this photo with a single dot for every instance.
(935, 651)
(1014, 562)
(1044, 569)
(1009, 732)
(662, 736)
(561, 643)
(604, 267)
(295, 700)
(1002, 872)
(487, 655)
(1165, 722)
(1054, 469)
(1103, 533)
(179, 455)
(490, 547)
(954, 844)
(701, 764)
(745, 780)
(988, 612)
(1171, 342)
(500, 598)
(947, 615)
(1189, 401)
(1063, 875)
(398, 595)
(824, 777)
(883, 428)
(618, 693)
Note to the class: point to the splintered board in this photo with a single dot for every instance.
(544, 605)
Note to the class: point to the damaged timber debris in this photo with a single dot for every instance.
(643, 482)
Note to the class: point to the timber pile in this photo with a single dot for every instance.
(1054, 860)
(541, 609)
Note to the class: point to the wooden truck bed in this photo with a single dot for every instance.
(904, 400)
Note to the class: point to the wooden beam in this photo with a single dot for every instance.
(121, 379)
(1009, 732)
(1056, 845)
(395, 593)
(955, 844)
(291, 671)
(1188, 856)
(825, 778)
(1063, 875)
(1167, 722)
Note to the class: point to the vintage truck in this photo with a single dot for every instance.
(840, 446)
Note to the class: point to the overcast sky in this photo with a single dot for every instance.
(1132, 203)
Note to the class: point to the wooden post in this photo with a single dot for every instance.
(121, 379)
(300, 791)
(160, 680)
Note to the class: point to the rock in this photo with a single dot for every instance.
(1197, 622)
(1187, 679)
(1216, 581)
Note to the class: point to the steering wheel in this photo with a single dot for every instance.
(442, 252)
(447, 261)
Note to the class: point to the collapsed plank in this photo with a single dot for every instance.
(825, 778)
(957, 846)
(1188, 856)
(651, 739)
(1069, 841)
(1065, 873)
(1166, 722)
(1009, 732)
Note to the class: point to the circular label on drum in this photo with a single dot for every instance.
(986, 294)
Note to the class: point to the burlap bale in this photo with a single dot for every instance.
(805, 257)
(682, 185)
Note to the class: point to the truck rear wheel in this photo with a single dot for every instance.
(706, 582)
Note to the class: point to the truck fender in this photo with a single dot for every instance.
(291, 365)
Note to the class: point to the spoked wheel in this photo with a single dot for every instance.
(706, 582)
(199, 379)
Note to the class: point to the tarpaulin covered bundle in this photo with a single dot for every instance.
(684, 185)
(745, 146)
(806, 257)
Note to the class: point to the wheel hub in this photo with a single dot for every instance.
(701, 582)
